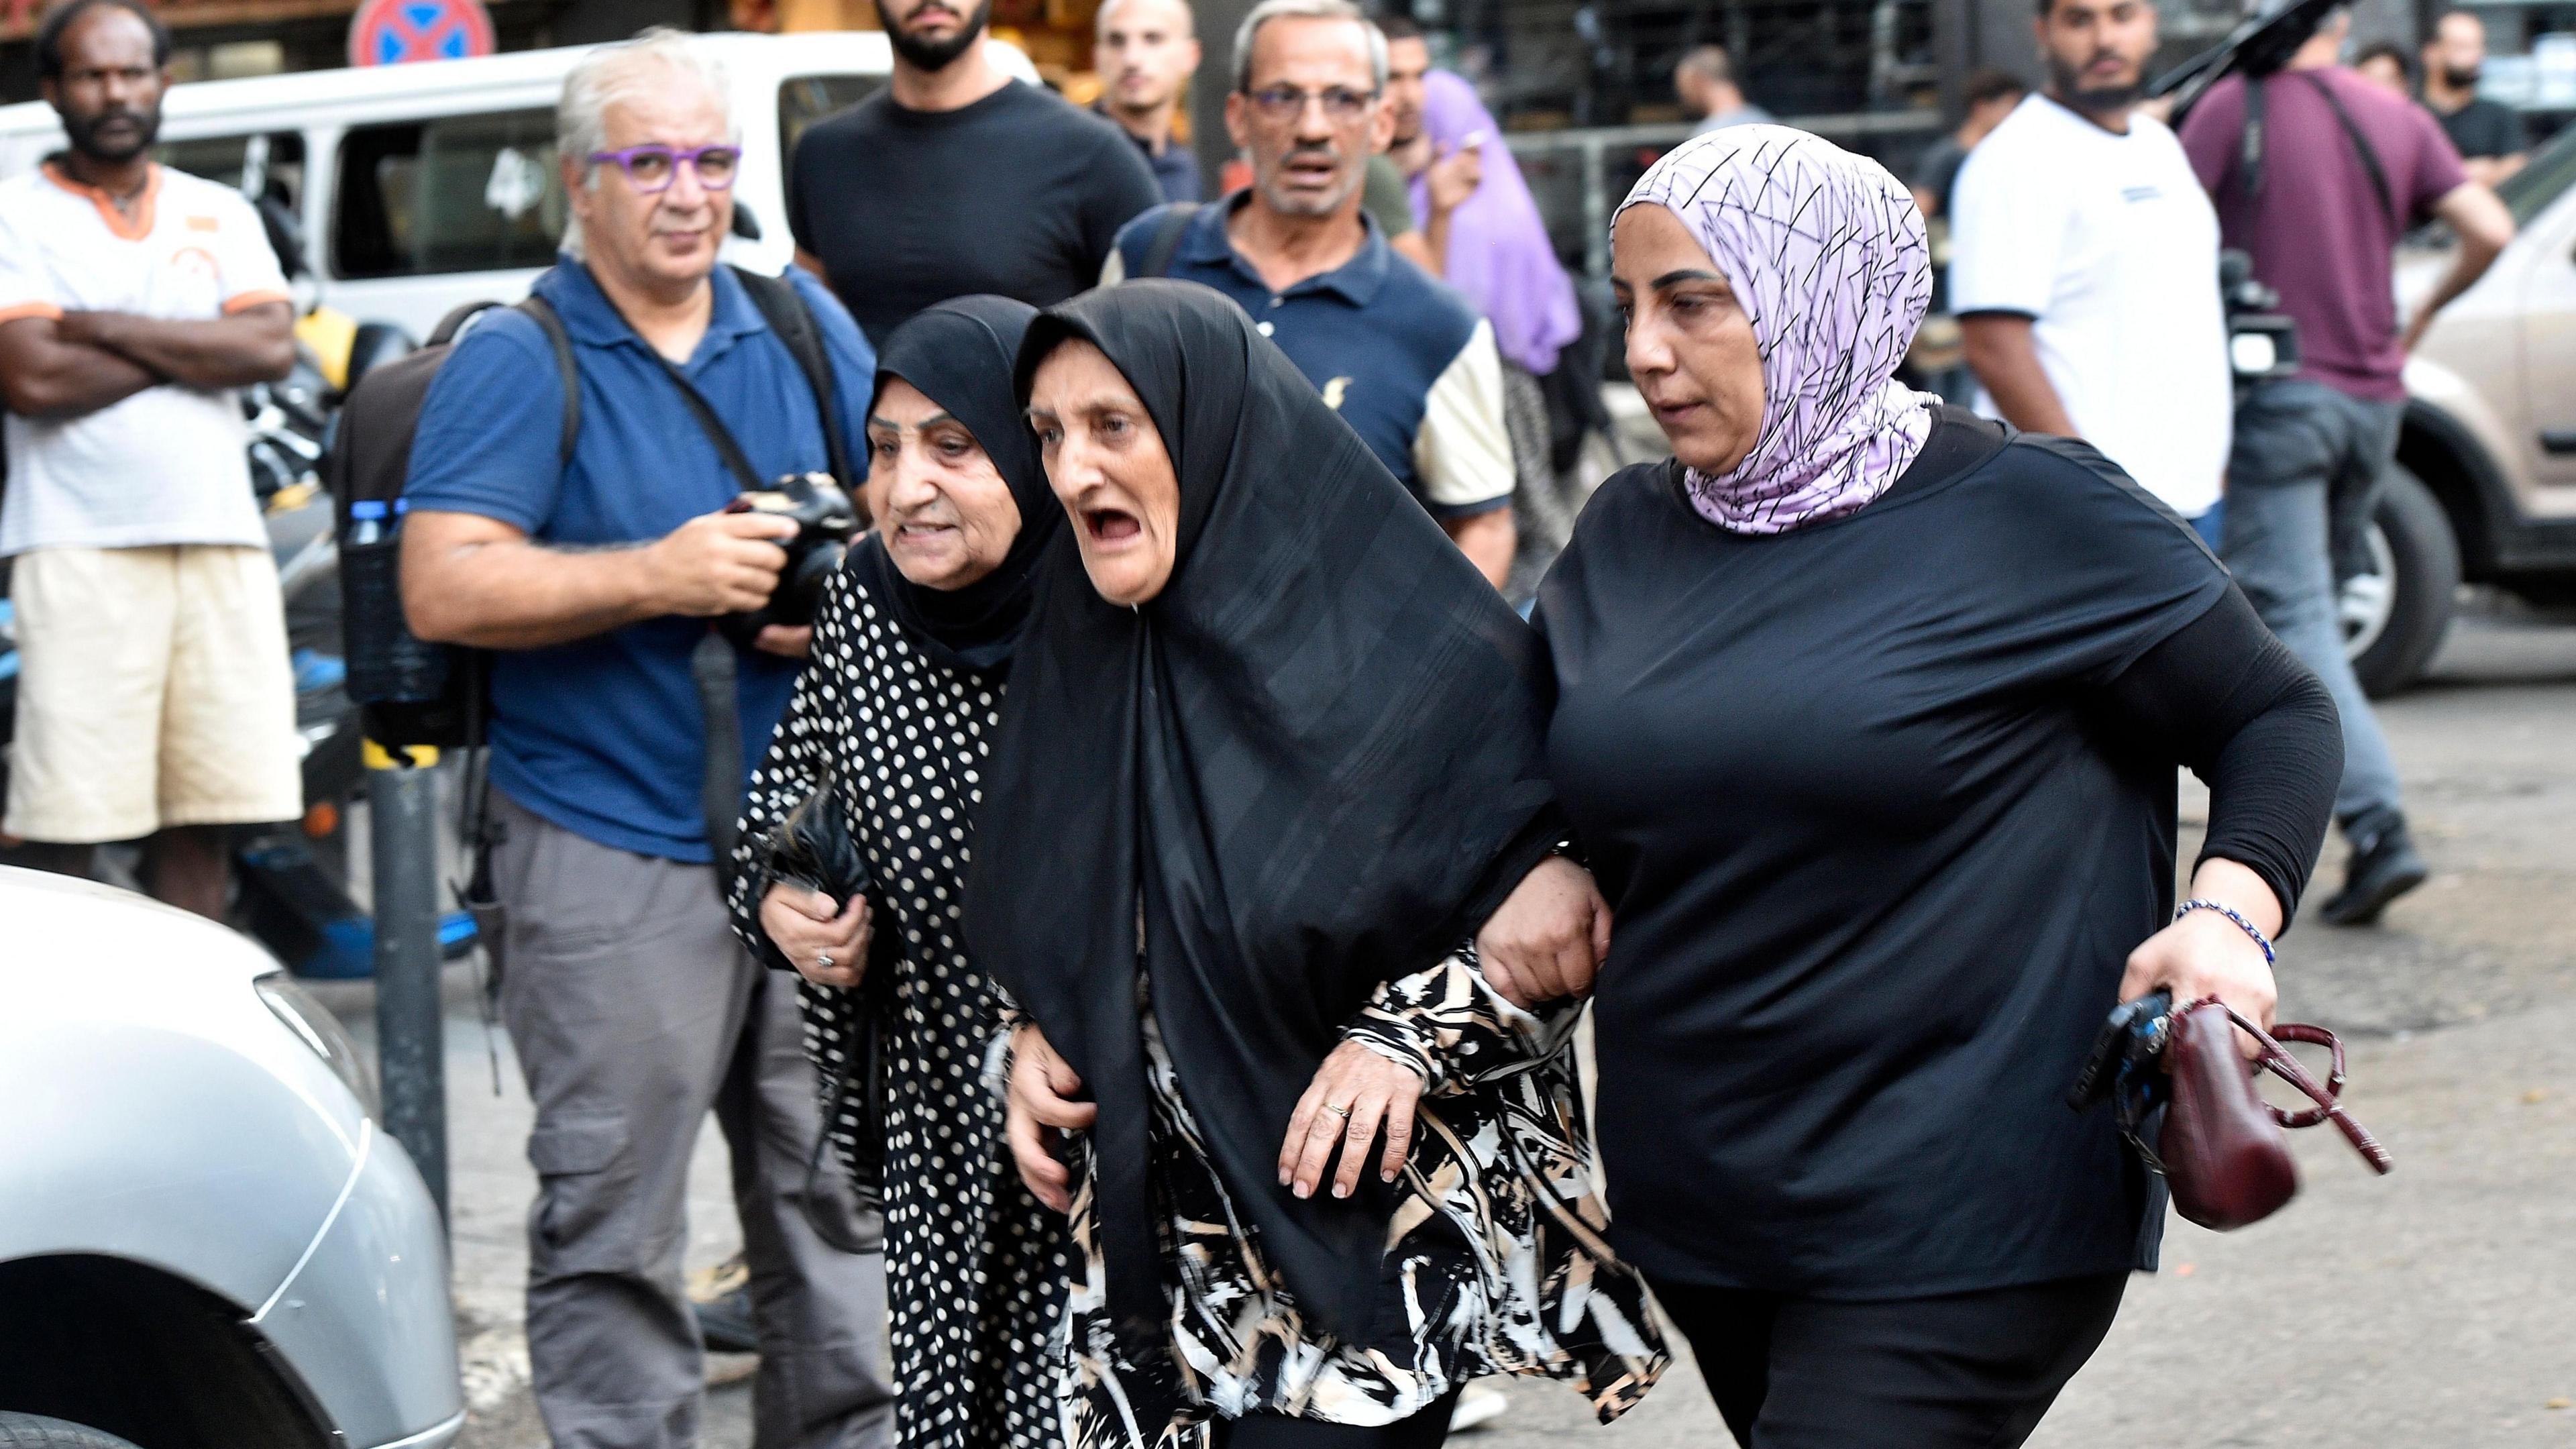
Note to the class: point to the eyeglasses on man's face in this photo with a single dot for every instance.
(1342, 105)
(652, 169)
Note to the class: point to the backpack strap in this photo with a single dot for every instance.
(551, 323)
(1167, 239)
(454, 322)
(784, 309)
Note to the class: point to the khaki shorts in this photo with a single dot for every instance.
(153, 691)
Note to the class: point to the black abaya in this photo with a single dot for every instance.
(1309, 766)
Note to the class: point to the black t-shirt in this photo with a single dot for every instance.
(1018, 194)
(2485, 128)
(1876, 865)
(1936, 171)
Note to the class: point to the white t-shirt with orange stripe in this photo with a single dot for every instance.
(164, 466)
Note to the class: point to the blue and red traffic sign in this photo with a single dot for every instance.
(397, 32)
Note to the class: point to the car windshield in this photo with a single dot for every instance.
(2529, 191)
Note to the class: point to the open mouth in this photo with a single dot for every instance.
(1112, 525)
(1310, 170)
(919, 533)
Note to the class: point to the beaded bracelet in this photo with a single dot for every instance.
(2242, 924)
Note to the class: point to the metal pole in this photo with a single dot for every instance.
(1596, 213)
(402, 810)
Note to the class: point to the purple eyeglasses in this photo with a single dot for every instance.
(652, 169)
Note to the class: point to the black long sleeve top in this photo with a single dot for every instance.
(2223, 698)
(1882, 805)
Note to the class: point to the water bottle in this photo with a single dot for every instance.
(387, 663)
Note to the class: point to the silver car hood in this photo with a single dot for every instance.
(158, 1111)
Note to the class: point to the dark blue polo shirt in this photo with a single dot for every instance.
(605, 736)
(1176, 171)
(1375, 336)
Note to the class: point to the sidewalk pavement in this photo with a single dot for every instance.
(2436, 1306)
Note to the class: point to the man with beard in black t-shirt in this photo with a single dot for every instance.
(956, 179)
(2490, 137)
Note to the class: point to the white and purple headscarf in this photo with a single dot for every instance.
(1827, 255)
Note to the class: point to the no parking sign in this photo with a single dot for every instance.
(397, 32)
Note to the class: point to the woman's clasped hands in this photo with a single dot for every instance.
(825, 940)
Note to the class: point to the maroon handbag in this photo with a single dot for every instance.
(2222, 1148)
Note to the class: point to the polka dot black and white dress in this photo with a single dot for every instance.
(975, 1267)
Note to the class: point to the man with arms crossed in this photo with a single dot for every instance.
(956, 179)
(2322, 228)
(1146, 51)
(1405, 361)
(594, 583)
(2084, 266)
(156, 699)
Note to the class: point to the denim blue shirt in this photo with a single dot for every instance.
(605, 736)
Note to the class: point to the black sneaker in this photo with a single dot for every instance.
(2384, 866)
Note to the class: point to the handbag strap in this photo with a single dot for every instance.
(2277, 1060)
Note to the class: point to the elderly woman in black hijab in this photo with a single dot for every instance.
(1272, 758)
(890, 726)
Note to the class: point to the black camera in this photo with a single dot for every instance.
(2262, 343)
(826, 520)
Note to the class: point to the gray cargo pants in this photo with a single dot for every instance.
(634, 1013)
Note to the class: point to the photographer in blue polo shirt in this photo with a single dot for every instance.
(632, 1010)
(1405, 361)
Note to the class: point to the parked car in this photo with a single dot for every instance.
(2485, 487)
(412, 189)
(206, 1242)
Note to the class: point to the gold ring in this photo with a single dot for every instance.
(1337, 1111)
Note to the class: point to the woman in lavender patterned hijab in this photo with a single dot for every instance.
(1828, 262)
(1867, 714)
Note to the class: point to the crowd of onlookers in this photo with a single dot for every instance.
(1382, 238)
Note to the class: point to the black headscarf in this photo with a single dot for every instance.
(1314, 758)
(959, 354)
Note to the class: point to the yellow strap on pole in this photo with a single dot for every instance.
(413, 757)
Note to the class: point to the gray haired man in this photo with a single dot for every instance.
(594, 582)
(1405, 361)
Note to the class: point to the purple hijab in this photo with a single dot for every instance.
(1499, 254)
(1827, 255)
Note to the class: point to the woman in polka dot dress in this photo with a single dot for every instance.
(895, 717)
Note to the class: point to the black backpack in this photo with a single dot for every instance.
(411, 692)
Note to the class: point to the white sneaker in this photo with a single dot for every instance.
(1477, 1407)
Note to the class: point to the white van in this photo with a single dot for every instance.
(420, 187)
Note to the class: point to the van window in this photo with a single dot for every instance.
(457, 194)
(269, 165)
(805, 99)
